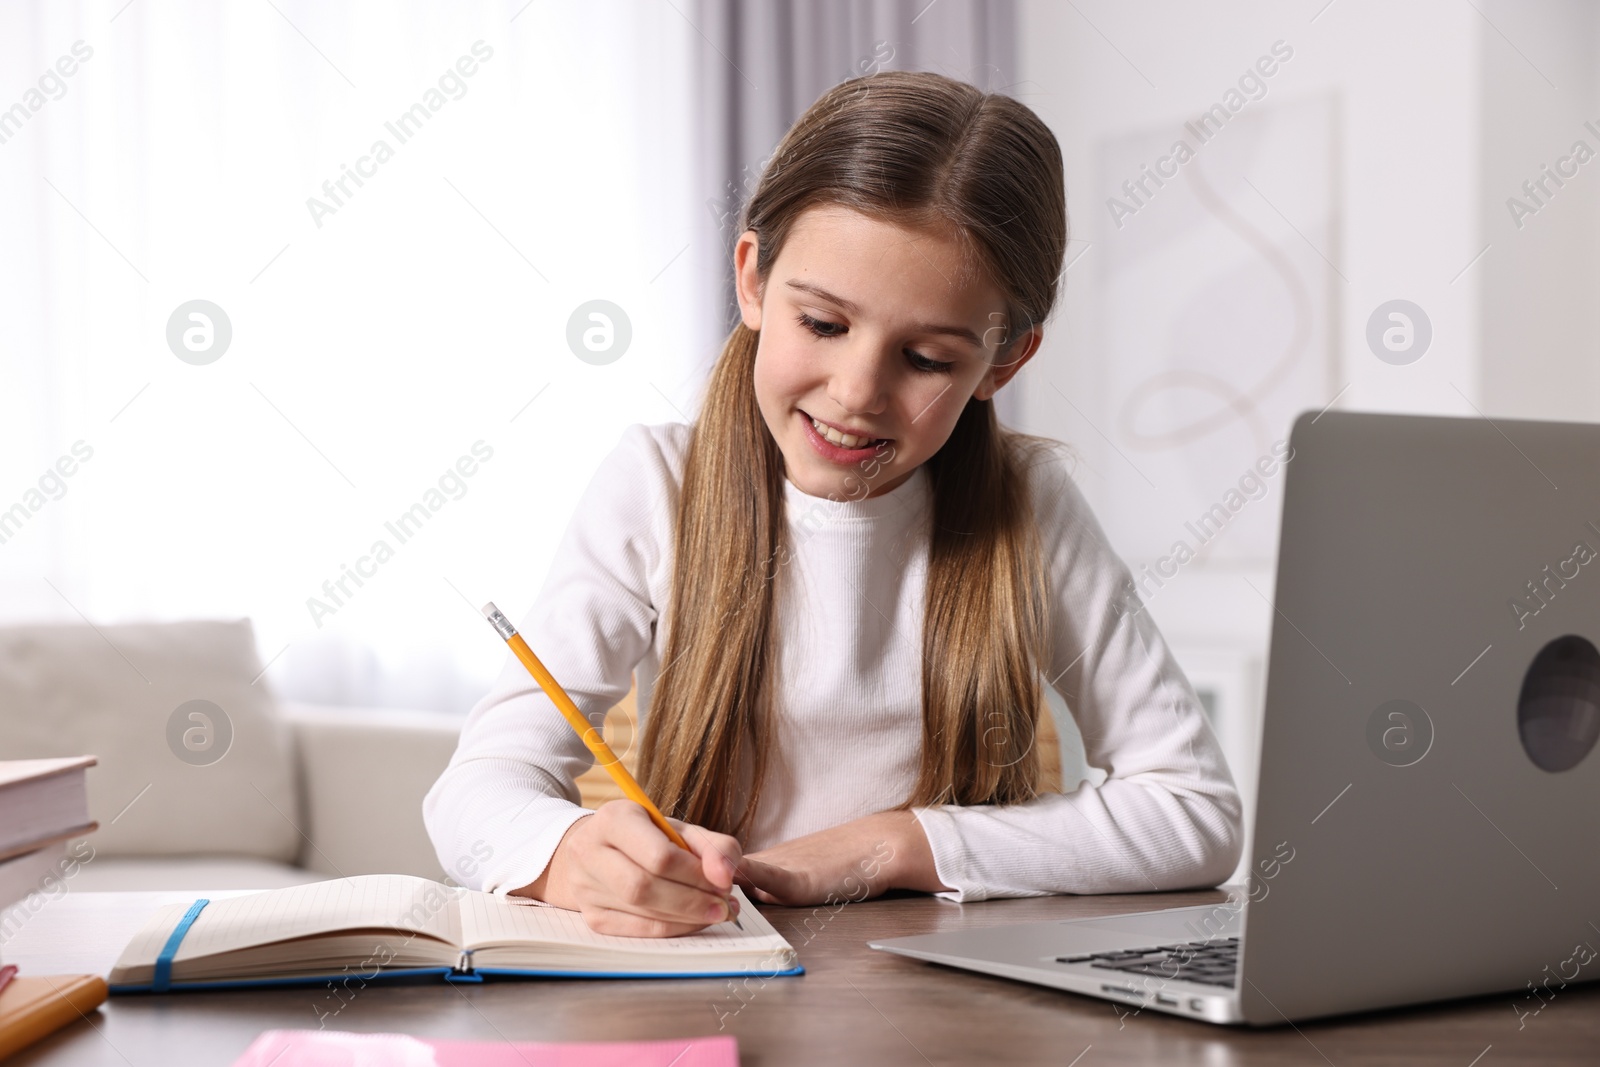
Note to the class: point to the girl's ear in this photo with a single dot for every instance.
(746, 280)
(1007, 366)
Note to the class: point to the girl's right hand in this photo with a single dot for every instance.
(627, 877)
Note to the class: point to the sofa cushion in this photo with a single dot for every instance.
(193, 757)
(363, 773)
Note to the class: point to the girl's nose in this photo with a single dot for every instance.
(857, 383)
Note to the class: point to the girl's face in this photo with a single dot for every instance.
(874, 331)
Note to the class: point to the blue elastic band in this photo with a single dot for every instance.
(162, 980)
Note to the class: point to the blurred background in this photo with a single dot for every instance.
(397, 220)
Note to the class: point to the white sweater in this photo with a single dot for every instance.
(847, 696)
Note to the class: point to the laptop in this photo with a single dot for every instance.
(1428, 814)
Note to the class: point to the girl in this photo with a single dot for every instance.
(841, 585)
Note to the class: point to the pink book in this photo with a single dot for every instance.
(333, 1048)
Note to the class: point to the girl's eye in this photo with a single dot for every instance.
(923, 363)
(816, 326)
(919, 361)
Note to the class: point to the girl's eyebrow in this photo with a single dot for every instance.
(960, 332)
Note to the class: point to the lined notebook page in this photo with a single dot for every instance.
(490, 920)
(386, 901)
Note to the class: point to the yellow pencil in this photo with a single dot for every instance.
(590, 736)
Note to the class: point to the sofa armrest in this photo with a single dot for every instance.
(363, 774)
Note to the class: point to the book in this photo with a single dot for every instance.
(43, 801)
(31, 1007)
(318, 1048)
(377, 926)
(30, 872)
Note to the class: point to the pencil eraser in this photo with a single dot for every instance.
(489, 610)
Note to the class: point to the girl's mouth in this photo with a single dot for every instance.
(838, 453)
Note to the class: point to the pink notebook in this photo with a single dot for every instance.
(332, 1048)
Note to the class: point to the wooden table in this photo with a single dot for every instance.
(853, 1006)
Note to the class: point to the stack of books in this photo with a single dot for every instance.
(44, 804)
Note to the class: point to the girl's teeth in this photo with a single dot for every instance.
(843, 440)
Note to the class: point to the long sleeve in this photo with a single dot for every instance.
(1168, 815)
(500, 808)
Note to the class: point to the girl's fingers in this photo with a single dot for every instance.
(770, 884)
(720, 855)
(633, 869)
(638, 838)
(624, 885)
(626, 924)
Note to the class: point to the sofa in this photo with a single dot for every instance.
(204, 779)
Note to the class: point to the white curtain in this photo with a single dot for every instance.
(373, 345)
(395, 311)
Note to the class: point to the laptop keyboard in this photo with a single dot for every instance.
(1214, 962)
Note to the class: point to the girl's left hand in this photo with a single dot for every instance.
(857, 860)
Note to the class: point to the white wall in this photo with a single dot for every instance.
(1539, 320)
(1442, 114)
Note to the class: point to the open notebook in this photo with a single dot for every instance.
(386, 925)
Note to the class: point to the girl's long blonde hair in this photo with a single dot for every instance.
(917, 149)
